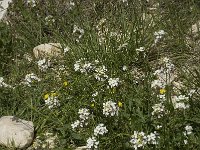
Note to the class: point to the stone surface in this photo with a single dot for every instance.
(81, 148)
(47, 50)
(3, 9)
(15, 132)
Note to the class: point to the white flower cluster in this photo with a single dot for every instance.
(140, 139)
(66, 49)
(100, 130)
(43, 64)
(92, 141)
(83, 116)
(124, 68)
(49, 20)
(161, 97)
(71, 5)
(152, 138)
(158, 35)
(159, 110)
(78, 31)
(30, 78)
(52, 101)
(83, 66)
(49, 141)
(110, 108)
(179, 102)
(3, 84)
(113, 82)
(165, 75)
(188, 131)
(100, 73)
(32, 2)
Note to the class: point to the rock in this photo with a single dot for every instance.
(47, 50)
(3, 9)
(81, 148)
(16, 132)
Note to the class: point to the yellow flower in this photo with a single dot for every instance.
(92, 105)
(46, 96)
(65, 83)
(120, 104)
(162, 91)
(54, 94)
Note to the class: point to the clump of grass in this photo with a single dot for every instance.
(122, 81)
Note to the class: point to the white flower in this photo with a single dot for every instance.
(188, 129)
(124, 68)
(159, 35)
(166, 60)
(113, 82)
(77, 65)
(3, 84)
(152, 138)
(179, 102)
(83, 114)
(181, 105)
(100, 129)
(139, 139)
(50, 141)
(158, 110)
(43, 64)
(185, 142)
(100, 73)
(95, 94)
(110, 108)
(83, 67)
(86, 67)
(49, 19)
(75, 124)
(157, 83)
(30, 78)
(66, 49)
(141, 49)
(92, 143)
(71, 3)
(78, 31)
(165, 75)
(158, 127)
(52, 101)
(32, 2)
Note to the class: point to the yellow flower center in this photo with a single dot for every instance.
(54, 94)
(65, 83)
(120, 104)
(46, 96)
(92, 105)
(162, 91)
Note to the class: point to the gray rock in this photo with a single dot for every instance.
(47, 50)
(15, 132)
(3, 9)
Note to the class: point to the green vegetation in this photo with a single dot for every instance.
(128, 76)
